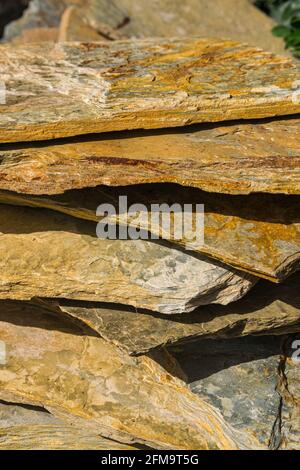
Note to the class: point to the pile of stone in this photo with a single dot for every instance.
(125, 343)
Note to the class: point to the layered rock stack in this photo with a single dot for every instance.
(124, 342)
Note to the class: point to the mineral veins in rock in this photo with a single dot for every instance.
(83, 378)
(267, 309)
(259, 233)
(82, 88)
(262, 156)
(28, 428)
(46, 254)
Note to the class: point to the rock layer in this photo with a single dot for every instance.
(243, 158)
(267, 309)
(82, 88)
(46, 254)
(159, 18)
(259, 234)
(29, 428)
(91, 382)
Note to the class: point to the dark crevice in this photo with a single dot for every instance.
(11, 10)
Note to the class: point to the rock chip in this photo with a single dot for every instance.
(82, 88)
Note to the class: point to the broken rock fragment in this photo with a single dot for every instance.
(157, 18)
(138, 84)
(84, 379)
(47, 254)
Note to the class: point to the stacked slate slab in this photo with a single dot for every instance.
(126, 343)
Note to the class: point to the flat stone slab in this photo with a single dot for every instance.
(259, 234)
(243, 158)
(111, 19)
(82, 378)
(268, 309)
(32, 428)
(81, 88)
(46, 254)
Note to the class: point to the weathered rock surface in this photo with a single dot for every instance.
(27, 428)
(83, 378)
(259, 234)
(267, 309)
(240, 377)
(159, 18)
(39, 14)
(74, 26)
(47, 254)
(82, 88)
(242, 158)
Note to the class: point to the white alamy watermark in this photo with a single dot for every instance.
(2, 93)
(296, 353)
(2, 353)
(182, 222)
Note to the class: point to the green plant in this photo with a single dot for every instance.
(287, 14)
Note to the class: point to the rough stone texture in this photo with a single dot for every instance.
(233, 19)
(254, 382)
(39, 14)
(259, 234)
(241, 158)
(240, 378)
(68, 89)
(47, 254)
(289, 388)
(27, 428)
(10, 10)
(75, 27)
(267, 309)
(82, 377)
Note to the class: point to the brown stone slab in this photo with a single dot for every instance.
(229, 158)
(47, 254)
(232, 19)
(83, 378)
(82, 88)
(259, 234)
(267, 309)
